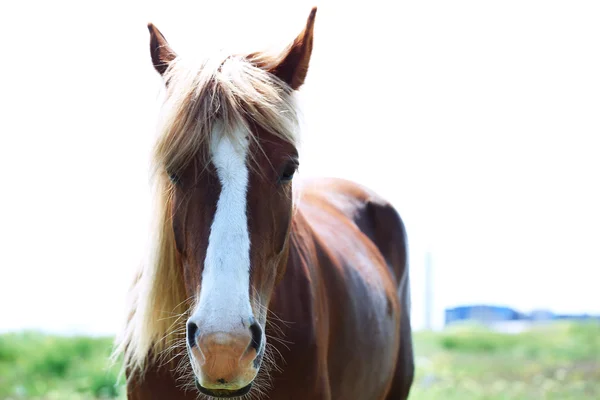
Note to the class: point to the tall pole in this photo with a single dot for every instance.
(428, 290)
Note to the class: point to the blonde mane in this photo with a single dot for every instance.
(229, 90)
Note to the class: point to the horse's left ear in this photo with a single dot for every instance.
(292, 66)
(161, 52)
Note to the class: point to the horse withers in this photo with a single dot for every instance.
(257, 287)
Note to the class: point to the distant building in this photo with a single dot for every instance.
(542, 315)
(481, 313)
(579, 317)
(488, 314)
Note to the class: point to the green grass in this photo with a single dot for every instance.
(558, 361)
(37, 366)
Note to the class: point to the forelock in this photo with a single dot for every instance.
(228, 91)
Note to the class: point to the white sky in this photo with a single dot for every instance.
(478, 119)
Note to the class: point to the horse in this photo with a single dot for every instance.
(259, 285)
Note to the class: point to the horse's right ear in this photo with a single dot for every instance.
(161, 52)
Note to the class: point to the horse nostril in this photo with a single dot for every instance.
(256, 331)
(192, 333)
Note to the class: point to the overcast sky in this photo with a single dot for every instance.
(479, 120)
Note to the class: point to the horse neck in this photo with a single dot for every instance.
(301, 276)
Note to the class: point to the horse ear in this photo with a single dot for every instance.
(161, 52)
(292, 65)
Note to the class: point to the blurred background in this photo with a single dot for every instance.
(478, 120)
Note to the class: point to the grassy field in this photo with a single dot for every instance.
(559, 361)
(37, 366)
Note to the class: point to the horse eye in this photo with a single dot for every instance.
(175, 180)
(288, 173)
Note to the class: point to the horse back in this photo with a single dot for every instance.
(359, 276)
(374, 216)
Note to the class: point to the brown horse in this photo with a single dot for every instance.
(255, 288)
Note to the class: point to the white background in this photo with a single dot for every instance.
(479, 120)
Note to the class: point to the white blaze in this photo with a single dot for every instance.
(224, 297)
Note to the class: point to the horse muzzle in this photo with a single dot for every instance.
(225, 363)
